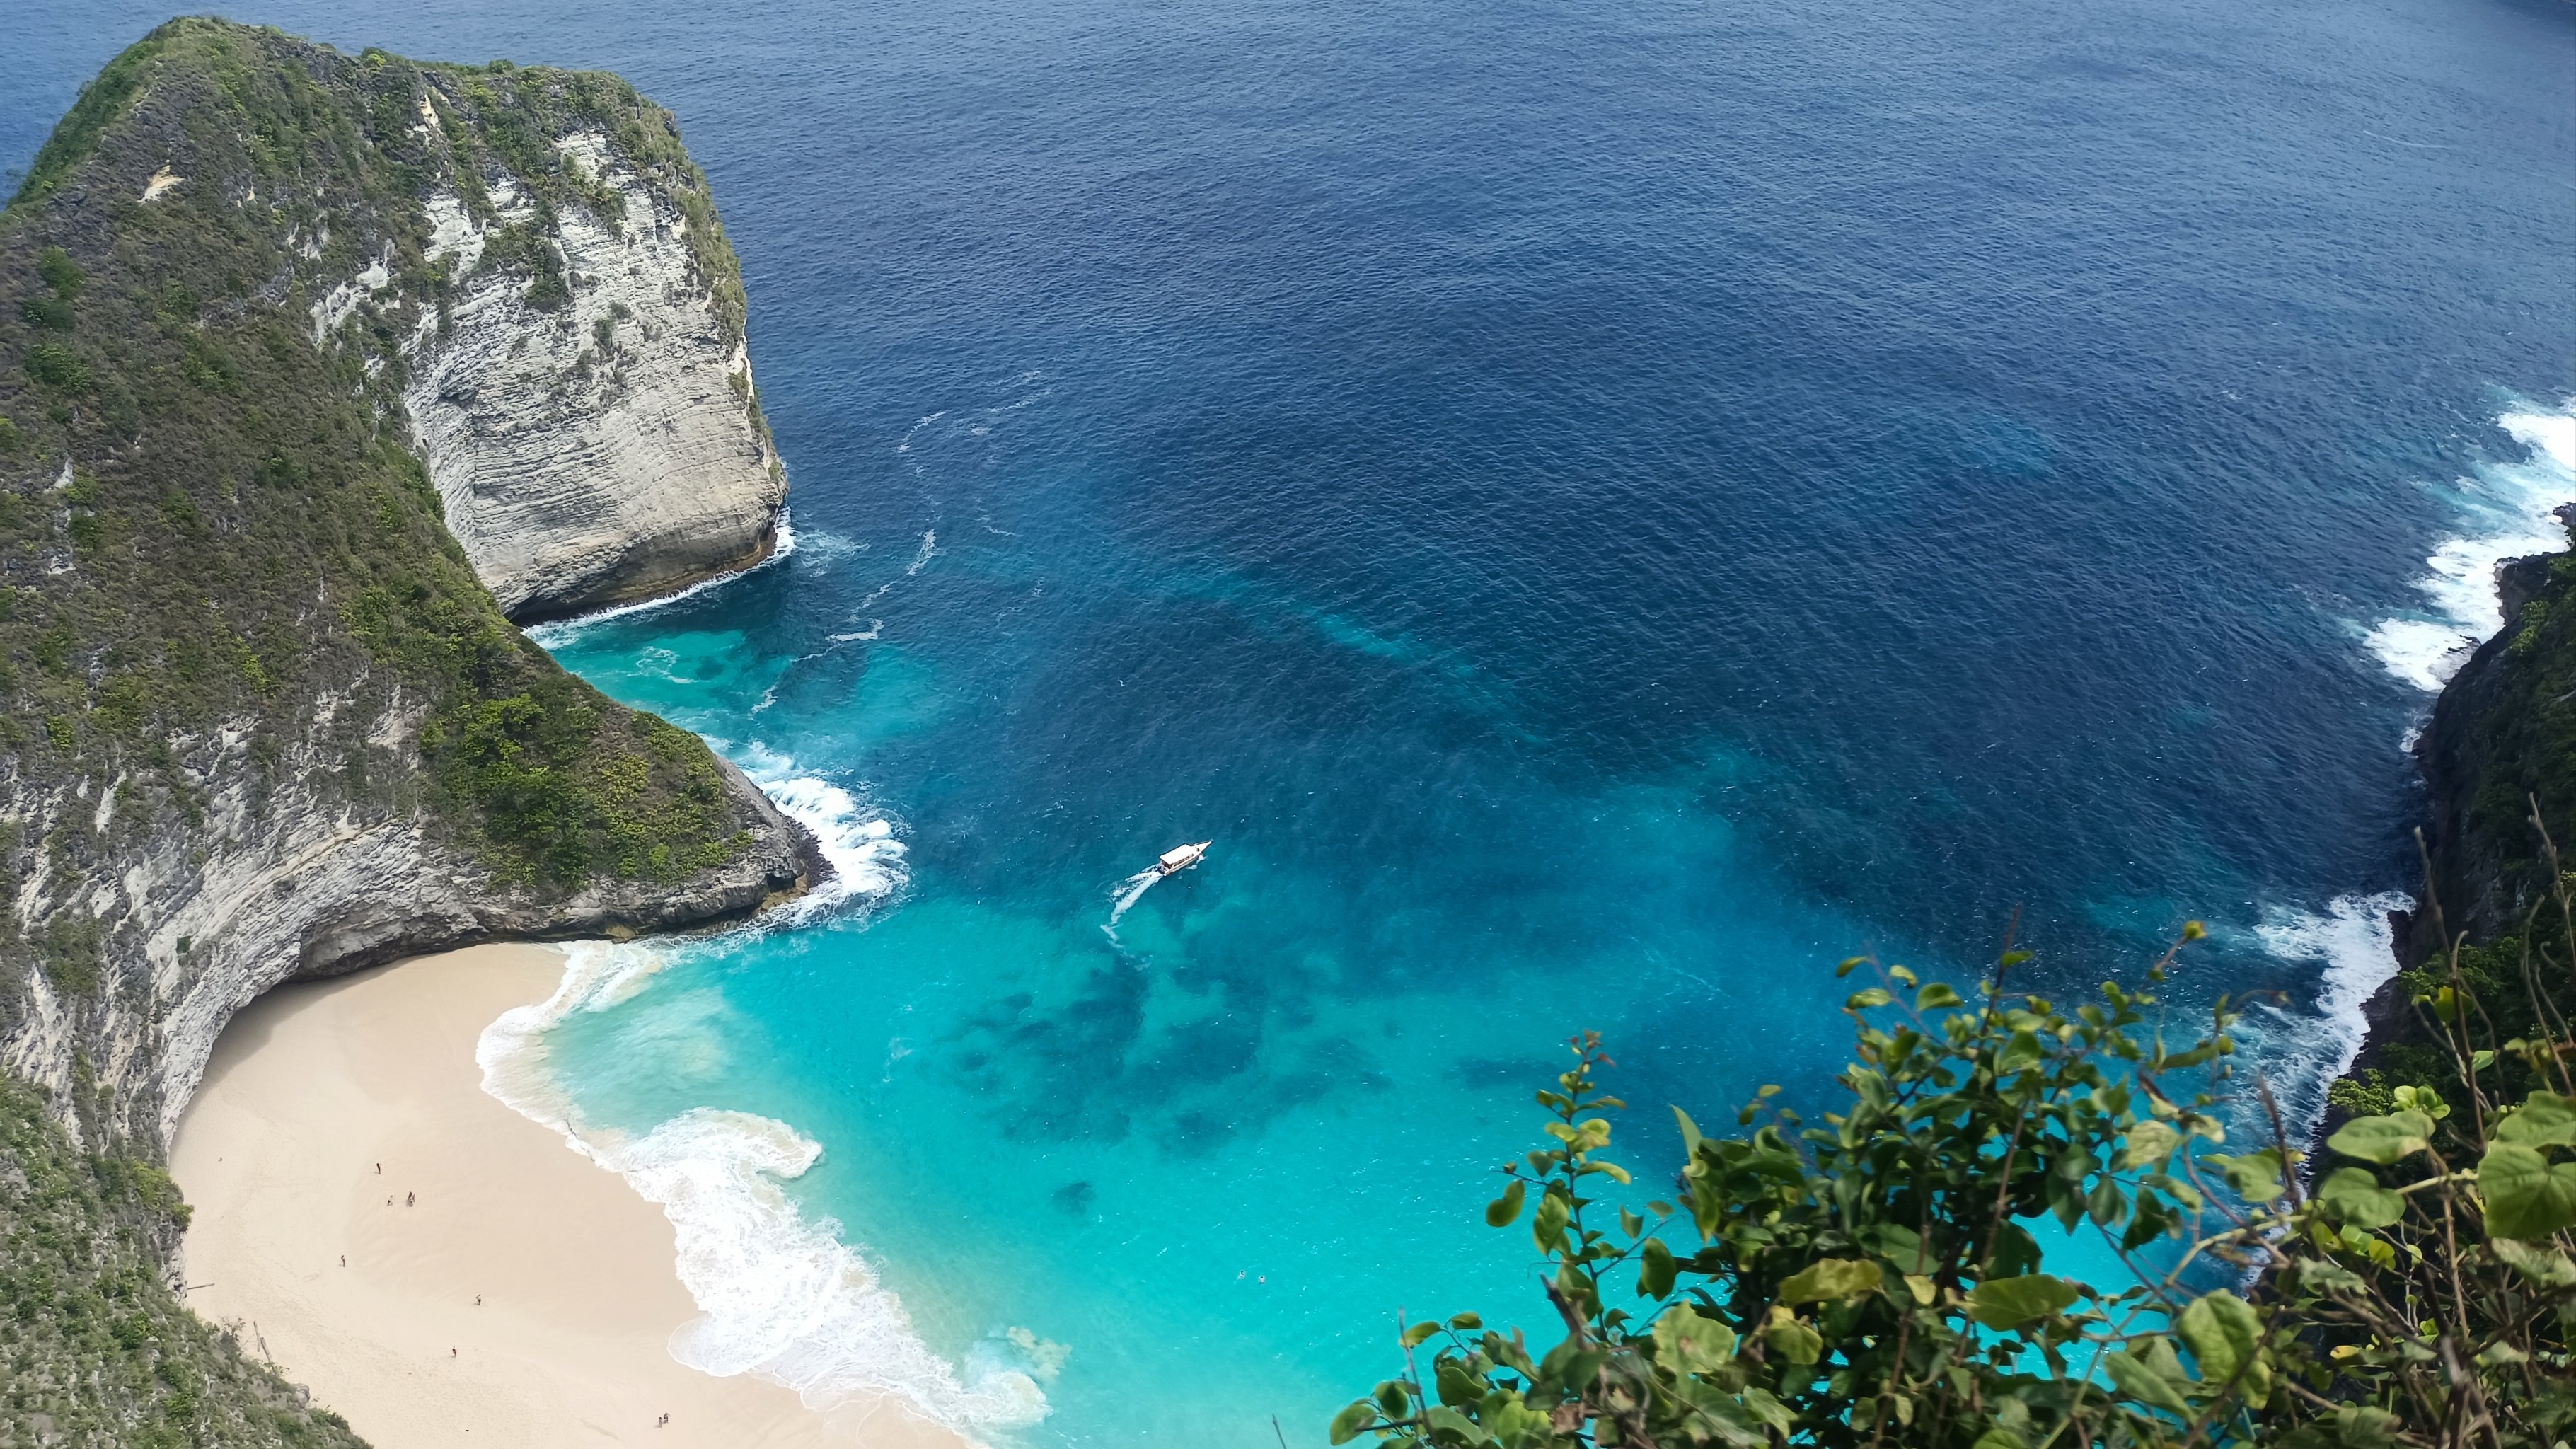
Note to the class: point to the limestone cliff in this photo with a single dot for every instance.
(605, 444)
(299, 351)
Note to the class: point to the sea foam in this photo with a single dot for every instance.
(2505, 512)
(779, 1296)
(2304, 1050)
(866, 859)
(564, 631)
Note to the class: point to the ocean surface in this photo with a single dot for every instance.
(1597, 512)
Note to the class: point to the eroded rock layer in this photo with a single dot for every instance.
(298, 352)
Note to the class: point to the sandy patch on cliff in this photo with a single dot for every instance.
(310, 1088)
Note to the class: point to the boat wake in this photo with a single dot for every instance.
(1125, 895)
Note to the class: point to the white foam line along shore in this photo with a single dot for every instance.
(564, 631)
(780, 1297)
(2505, 511)
(432, 1266)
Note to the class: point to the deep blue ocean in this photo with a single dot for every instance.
(1598, 512)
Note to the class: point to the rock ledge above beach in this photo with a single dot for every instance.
(312, 366)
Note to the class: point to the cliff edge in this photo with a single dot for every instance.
(311, 367)
(2501, 742)
(315, 370)
(579, 381)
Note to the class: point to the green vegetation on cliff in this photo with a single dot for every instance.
(2499, 761)
(2502, 743)
(233, 621)
(213, 531)
(95, 1350)
(1877, 1279)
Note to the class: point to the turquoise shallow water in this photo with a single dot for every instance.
(1599, 515)
(1216, 1153)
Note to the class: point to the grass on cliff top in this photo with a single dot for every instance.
(2526, 752)
(95, 1350)
(219, 558)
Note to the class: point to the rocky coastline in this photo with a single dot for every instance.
(2500, 746)
(318, 373)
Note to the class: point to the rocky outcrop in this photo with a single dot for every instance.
(2502, 739)
(296, 347)
(296, 883)
(608, 448)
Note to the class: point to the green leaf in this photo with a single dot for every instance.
(2256, 1176)
(2138, 1378)
(2527, 1196)
(2227, 1337)
(2546, 1267)
(2359, 1426)
(1504, 1210)
(2015, 1251)
(1689, 1342)
(1770, 1410)
(1349, 1422)
(2019, 1054)
(2546, 1120)
(2000, 1438)
(1690, 1134)
(1420, 1334)
(1831, 1279)
(1938, 994)
(1451, 1421)
(2002, 1303)
(1547, 1225)
(1465, 1322)
(2383, 1139)
(1655, 1269)
(1898, 1244)
(2353, 1196)
(1865, 999)
(1793, 1342)
(1570, 1366)
(2150, 1143)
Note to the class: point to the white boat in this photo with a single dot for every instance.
(1181, 857)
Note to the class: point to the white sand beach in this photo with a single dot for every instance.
(363, 1285)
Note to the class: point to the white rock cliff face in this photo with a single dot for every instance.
(287, 883)
(609, 449)
(601, 451)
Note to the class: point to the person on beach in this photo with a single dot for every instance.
(408, 1200)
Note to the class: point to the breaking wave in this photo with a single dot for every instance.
(779, 1296)
(2306, 1049)
(564, 631)
(2505, 510)
(866, 859)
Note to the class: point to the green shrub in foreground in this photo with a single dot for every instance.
(1870, 1281)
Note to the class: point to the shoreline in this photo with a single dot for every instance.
(310, 1088)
